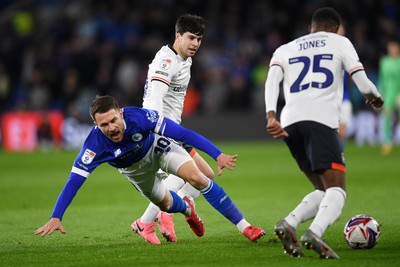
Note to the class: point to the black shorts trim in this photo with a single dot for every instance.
(315, 146)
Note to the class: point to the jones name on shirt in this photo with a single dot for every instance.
(311, 44)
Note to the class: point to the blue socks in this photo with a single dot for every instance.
(178, 204)
(217, 197)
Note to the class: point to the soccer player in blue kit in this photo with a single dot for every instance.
(138, 143)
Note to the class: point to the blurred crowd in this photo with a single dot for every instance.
(59, 54)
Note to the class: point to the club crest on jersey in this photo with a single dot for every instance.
(151, 116)
(165, 64)
(137, 137)
(88, 156)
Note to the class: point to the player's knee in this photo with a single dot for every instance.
(210, 174)
(198, 180)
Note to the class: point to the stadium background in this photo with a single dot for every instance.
(55, 56)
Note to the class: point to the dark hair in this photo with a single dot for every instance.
(102, 104)
(395, 38)
(190, 23)
(326, 16)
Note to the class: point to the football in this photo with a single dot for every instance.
(362, 232)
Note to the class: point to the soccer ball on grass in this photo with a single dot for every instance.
(362, 231)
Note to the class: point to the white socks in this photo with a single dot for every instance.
(188, 190)
(150, 213)
(307, 209)
(329, 210)
(242, 225)
(178, 185)
(173, 183)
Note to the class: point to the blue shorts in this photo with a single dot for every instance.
(315, 146)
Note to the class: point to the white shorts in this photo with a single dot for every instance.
(166, 154)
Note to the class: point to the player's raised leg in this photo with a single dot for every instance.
(217, 197)
(164, 220)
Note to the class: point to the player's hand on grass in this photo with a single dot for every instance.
(275, 129)
(52, 225)
(226, 161)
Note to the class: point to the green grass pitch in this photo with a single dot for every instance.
(265, 185)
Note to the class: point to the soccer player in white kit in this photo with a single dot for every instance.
(167, 81)
(311, 71)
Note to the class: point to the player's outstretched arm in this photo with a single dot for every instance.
(226, 161)
(51, 226)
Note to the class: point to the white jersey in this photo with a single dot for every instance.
(313, 77)
(172, 70)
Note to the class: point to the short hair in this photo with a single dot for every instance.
(327, 16)
(190, 23)
(102, 104)
(393, 38)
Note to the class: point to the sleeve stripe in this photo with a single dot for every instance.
(160, 127)
(156, 78)
(356, 69)
(80, 172)
(275, 63)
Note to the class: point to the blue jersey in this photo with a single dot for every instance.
(140, 126)
(138, 138)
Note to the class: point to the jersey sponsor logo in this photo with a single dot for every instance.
(82, 166)
(165, 64)
(88, 156)
(180, 88)
(152, 116)
(138, 147)
(137, 137)
(162, 73)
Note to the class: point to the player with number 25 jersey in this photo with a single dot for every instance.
(313, 77)
(311, 70)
